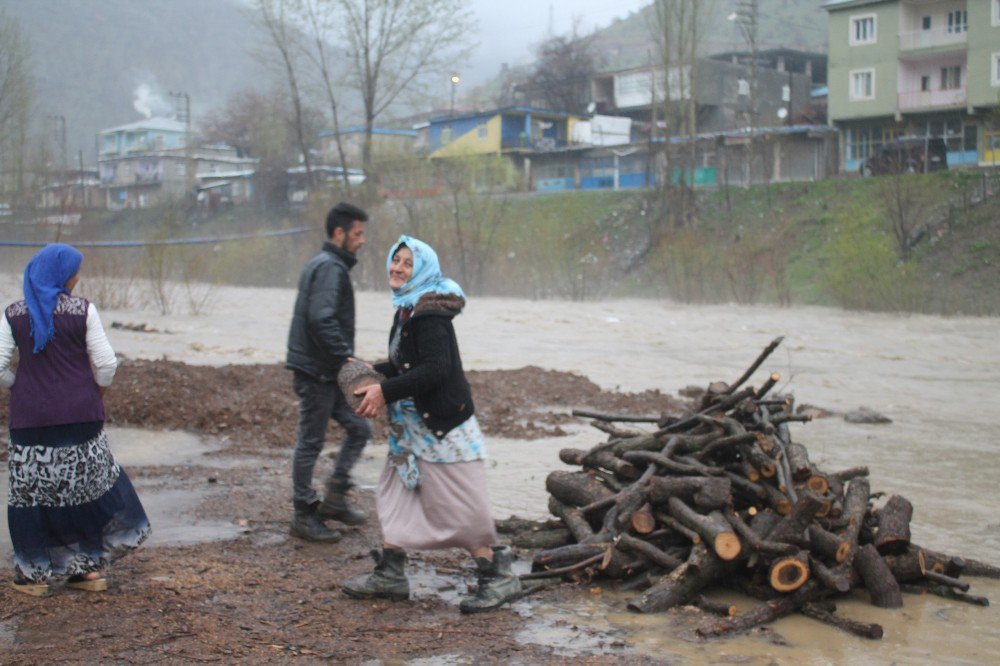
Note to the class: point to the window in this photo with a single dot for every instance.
(179, 168)
(786, 93)
(742, 87)
(951, 78)
(925, 23)
(862, 84)
(995, 67)
(958, 21)
(862, 29)
(996, 12)
(925, 83)
(481, 131)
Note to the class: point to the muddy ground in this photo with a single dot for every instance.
(266, 597)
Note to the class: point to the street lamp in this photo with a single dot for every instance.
(455, 80)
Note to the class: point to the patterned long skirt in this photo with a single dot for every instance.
(71, 509)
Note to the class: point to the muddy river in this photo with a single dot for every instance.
(938, 379)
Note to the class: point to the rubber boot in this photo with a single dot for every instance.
(306, 525)
(497, 584)
(387, 581)
(335, 506)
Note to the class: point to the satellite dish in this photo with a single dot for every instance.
(591, 107)
(782, 113)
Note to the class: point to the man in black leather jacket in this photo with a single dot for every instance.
(321, 339)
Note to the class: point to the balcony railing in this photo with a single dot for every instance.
(922, 39)
(925, 99)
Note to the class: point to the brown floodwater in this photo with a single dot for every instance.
(937, 378)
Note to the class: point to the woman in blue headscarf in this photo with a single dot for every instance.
(71, 509)
(432, 493)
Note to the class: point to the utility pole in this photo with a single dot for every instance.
(60, 136)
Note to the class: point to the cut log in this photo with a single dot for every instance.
(945, 592)
(706, 492)
(720, 608)
(768, 385)
(893, 534)
(551, 537)
(882, 587)
(833, 579)
(573, 519)
(852, 473)
(555, 558)
(756, 364)
(941, 579)
(762, 462)
(623, 418)
(701, 570)
(576, 488)
(715, 532)
(792, 529)
(828, 544)
(642, 520)
(798, 460)
(601, 459)
(855, 508)
(752, 542)
(789, 573)
(768, 611)
(650, 552)
(860, 629)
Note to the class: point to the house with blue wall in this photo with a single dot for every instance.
(515, 129)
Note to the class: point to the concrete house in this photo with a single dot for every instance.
(919, 68)
(510, 130)
(149, 162)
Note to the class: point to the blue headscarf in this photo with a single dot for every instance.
(426, 278)
(45, 278)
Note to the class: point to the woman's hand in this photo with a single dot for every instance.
(373, 401)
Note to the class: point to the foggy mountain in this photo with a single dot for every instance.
(101, 63)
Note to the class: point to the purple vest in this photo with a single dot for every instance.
(55, 386)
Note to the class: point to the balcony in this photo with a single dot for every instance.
(925, 39)
(931, 99)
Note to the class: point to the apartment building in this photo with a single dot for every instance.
(925, 68)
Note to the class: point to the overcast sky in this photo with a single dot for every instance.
(509, 28)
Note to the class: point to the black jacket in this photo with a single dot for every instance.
(430, 368)
(321, 337)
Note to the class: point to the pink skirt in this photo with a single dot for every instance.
(449, 509)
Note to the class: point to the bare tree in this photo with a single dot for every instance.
(905, 203)
(16, 99)
(274, 18)
(392, 45)
(563, 68)
(678, 28)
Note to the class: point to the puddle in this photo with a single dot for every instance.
(169, 510)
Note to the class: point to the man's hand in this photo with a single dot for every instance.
(373, 401)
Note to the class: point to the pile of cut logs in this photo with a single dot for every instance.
(722, 496)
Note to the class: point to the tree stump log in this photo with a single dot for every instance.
(701, 569)
(716, 533)
(828, 544)
(789, 573)
(576, 488)
(893, 534)
(705, 492)
(882, 587)
(601, 459)
(650, 552)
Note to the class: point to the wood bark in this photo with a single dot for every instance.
(882, 587)
(893, 535)
(701, 569)
(717, 534)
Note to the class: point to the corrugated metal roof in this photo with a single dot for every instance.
(158, 124)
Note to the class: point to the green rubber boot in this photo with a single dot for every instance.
(497, 584)
(387, 581)
(307, 525)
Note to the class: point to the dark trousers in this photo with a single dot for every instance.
(318, 403)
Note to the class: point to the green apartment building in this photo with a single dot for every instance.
(925, 68)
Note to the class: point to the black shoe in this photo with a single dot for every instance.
(388, 581)
(308, 526)
(497, 584)
(335, 507)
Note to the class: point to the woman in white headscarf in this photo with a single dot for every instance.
(432, 493)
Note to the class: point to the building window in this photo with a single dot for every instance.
(925, 23)
(958, 21)
(951, 78)
(863, 29)
(995, 67)
(863, 84)
(481, 131)
(996, 12)
(925, 83)
(179, 168)
(742, 87)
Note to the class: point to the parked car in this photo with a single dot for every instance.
(916, 154)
